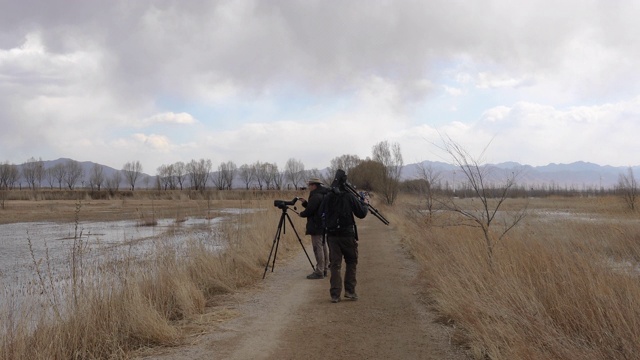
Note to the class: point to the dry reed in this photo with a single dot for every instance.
(126, 303)
(563, 285)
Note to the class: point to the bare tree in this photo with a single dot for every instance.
(247, 174)
(277, 176)
(33, 172)
(73, 172)
(218, 178)
(58, 171)
(113, 183)
(491, 196)
(431, 177)
(96, 178)
(163, 177)
(263, 174)
(267, 174)
(180, 171)
(344, 162)
(50, 177)
(4, 174)
(8, 175)
(167, 178)
(228, 171)
(628, 188)
(132, 171)
(170, 173)
(294, 172)
(199, 172)
(390, 156)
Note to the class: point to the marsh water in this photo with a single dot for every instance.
(28, 247)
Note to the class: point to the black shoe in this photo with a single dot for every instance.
(314, 276)
(351, 296)
(335, 299)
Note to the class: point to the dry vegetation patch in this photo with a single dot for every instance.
(125, 304)
(554, 289)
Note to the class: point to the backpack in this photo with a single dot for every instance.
(318, 217)
(338, 216)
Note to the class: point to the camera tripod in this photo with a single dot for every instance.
(276, 241)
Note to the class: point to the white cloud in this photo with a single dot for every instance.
(487, 80)
(453, 91)
(156, 142)
(169, 118)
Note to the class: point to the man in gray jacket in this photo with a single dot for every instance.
(315, 228)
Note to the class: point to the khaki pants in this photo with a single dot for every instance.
(339, 247)
(321, 251)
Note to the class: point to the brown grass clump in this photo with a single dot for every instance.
(563, 285)
(124, 304)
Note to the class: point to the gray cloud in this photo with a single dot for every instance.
(321, 45)
(104, 65)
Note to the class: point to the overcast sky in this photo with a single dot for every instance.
(244, 81)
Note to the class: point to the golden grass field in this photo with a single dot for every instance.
(563, 284)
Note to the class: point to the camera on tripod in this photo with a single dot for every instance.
(282, 204)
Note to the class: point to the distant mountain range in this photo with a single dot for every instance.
(578, 175)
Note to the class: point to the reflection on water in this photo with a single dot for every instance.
(53, 242)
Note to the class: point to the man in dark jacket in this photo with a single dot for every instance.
(315, 228)
(339, 207)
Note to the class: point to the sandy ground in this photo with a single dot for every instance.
(287, 316)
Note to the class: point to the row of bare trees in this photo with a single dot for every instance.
(66, 175)
(34, 173)
(264, 175)
(381, 173)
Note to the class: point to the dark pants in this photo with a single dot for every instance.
(339, 247)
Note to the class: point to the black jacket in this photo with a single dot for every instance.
(311, 211)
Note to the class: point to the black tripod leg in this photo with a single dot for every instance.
(276, 242)
(300, 241)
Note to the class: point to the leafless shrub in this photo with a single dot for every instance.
(628, 189)
(489, 196)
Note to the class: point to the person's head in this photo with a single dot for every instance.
(314, 183)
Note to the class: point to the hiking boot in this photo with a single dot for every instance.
(335, 299)
(351, 296)
(314, 276)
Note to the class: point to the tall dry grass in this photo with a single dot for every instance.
(124, 303)
(563, 285)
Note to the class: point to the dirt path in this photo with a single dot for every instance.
(289, 317)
